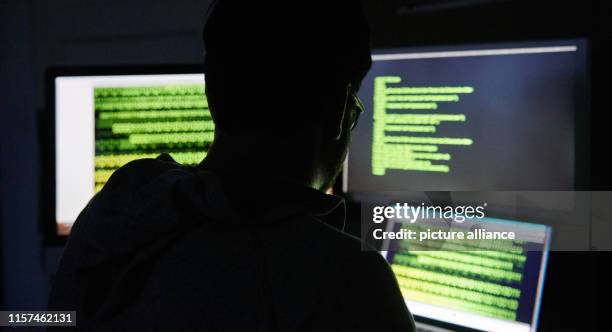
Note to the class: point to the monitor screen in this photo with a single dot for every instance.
(474, 287)
(103, 122)
(483, 117)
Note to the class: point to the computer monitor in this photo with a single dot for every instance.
(473, 288)
(104, 118)
(478, 117)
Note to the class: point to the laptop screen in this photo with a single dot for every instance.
(474, 288)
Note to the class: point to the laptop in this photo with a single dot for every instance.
(466, 286)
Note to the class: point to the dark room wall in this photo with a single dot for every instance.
(23, 278)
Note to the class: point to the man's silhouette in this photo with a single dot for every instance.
(246, 241)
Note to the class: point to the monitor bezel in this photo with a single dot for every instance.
(47, 193)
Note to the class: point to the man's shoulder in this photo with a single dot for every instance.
(328, 243)
(359, 256)
(336, 274)
(140, 178)
(142, 170)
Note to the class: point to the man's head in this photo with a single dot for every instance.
(283, 73)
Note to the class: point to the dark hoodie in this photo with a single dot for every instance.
(164, 247)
